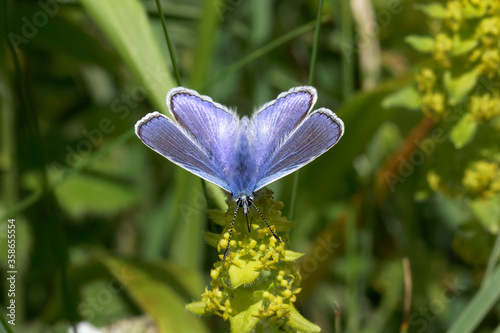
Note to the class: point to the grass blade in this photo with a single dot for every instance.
(262, 51)
(314, 55)
(481, 304)
(312, 70)
(170, 49)
(126, 25)
(492, 261)
(345, 19)
(212, 14)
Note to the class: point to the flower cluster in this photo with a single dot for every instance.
(258, 281)
(482, 179)
(452, 90)
(278, 301)
(432, 101)
(485, 107)
(458, 88)
(441, 50)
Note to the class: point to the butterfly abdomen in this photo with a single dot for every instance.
(244, 167)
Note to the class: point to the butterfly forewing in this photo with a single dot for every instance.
(314, 136)
(213, 125)
(276, 119)
(166, 138)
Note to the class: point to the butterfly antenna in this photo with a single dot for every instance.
(277, 238)
(230, 233)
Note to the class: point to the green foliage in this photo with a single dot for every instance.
(126, 26)
(462, 99)
(397, 227)
(82, 194)
(407, 98)
(146, 285)
(463, 132)
(421, 43)
(459, 87)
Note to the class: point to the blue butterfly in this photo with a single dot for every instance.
(241, 155)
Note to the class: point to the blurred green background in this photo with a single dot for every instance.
(399, 222)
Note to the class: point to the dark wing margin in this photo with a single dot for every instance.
(313, 137)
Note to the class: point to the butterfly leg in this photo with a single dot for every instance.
(277, 238)
(248, 223)
(230, 232)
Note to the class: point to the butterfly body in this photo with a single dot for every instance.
(241, 155)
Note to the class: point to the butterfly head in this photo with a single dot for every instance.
(245, 202)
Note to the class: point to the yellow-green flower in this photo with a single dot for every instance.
(433, 105)
(442, 46)
(488, 31)
(453, 15)
(426, 80)
(482, 179)
(485, 107)
(490, 62)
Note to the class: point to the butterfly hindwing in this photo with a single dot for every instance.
(315, 135)
(169, 140)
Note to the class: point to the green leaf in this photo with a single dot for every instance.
(459, 87)
(217, 216)
(243, 271)
(461, 47)
(464, 131)
(433, 9)
(245, 321)
(81, 195)
(211, 238)
(407, 97)
(199, 308)
(482, 303)
(154, 296)
(297, 321)
(424, 44)
(292, 256)
(127, 27)
(471, 11)
(488, 213)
